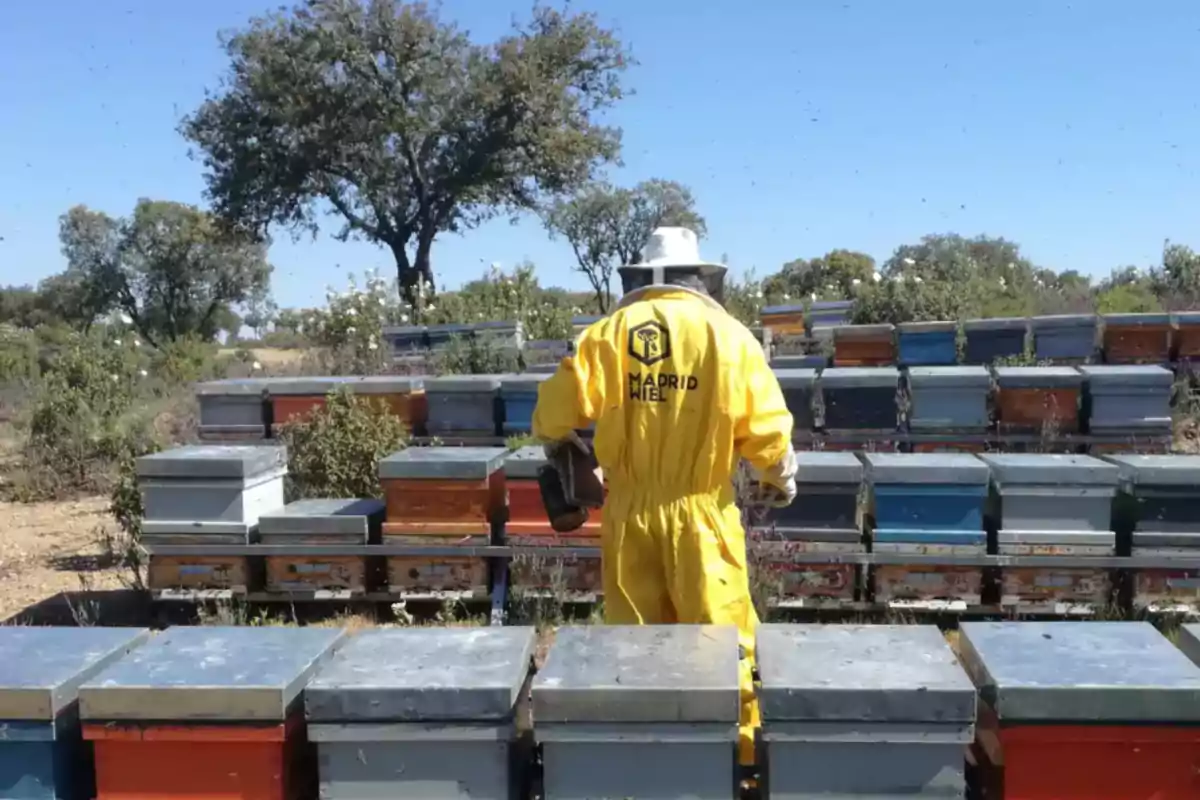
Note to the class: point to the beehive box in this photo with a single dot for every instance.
(1128, 398)
(927, 343)
(519, 394)
(928, 504)
(837, 699)
(859, 398)
(348, 523)
(945, 399)
(439, 336)
(822, 519)
(864, 345)
(233, 409)
(42, 753)
(1038, 398)
(1054, 505)
(798, 386)
(809, 361)
(1099, 710)
(293, 399)
(639, 711)
(1187, 335)
(783, 319)
(1163, 494)
(206, 712)
(989, 340)
(542, 356)
(405, 339)
(1068, 337)
(829, 313)
(504, 335)
(1137, 338)
(423, 712)
(462, 405)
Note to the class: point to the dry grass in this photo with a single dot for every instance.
(270, 356)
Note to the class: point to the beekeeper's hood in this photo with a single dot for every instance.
(672, 258)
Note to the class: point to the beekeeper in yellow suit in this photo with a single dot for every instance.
(679, 391)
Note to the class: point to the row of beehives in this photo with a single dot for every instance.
(1056, 526)
(1102, 399)
(215, 519)
(1030, 710)
(1116, 338)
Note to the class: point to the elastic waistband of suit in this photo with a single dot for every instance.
(642, 492)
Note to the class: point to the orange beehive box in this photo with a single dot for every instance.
(864, 346)
(786, 319)
(1038, 397)
(1187, 335)
(1095, 710)
(207, 712)
(526, 513)
(293, 399)
(443, 490)
(1137, 338)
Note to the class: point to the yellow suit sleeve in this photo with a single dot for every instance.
(763, 430)
(574, 395)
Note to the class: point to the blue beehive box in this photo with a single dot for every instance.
(948, 398)
(828, 313)
(42, 752)
(860, 398)
(463, 405)
(519, 394)
(1064, 336)
(797, 386)
(927, 343)
(928, 498)
(988, 340)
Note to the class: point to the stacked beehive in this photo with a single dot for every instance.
(991, 340)
(860, 401)
(441, 497)
(1137, 338)
(949, 402)
(1128, 405)
(798, 386)
(462, 405)
(1187, 336)
(1038, 400)
(293, 399)
(201, 509)
(234, 409)
(1064, 337)
(926, 344)
(864, 345)
(326, 542)
(518, 395)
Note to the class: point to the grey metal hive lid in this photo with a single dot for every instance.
(1175, 470)
(996, 324)
(423, 675)
(795, 378)
(320, 385)
(247, 674)
(828, 467)
(859, 331)
(860, 377)
(495, 325)
(1035, 377)
(231, 387)
(813, 361)
(389, 384)
(524, 382)
(920, 377)
(462, 383)
(200, 461)
(933, 326)
(1131, 375)
(335, 516)
(1092, 672)
(524, 462)
(1189, 642)
(644, 673)
(1137, 319)
(41, 668)
(455, 463)
(1186, 317)
(449, 327)
(926, 468)
(861, 673)
(1050, 469)
(1063, 321)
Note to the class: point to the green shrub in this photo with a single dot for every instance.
(334, 451)
(474, 357)
(18, 355)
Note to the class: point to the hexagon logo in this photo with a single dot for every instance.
(649, 342)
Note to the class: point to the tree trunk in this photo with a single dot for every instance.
(410, 272)
(423, 266)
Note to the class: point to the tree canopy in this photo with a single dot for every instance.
(401, 124)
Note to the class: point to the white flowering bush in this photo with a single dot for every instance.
(349, 329)
(510, 297)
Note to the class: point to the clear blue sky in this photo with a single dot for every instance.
(802, 125)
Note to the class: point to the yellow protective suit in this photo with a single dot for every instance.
(679, 390)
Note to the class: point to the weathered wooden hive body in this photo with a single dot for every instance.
(1054, 505)
(1128, 399)
(1187, 335)
(783, 319)
(1082, 709)
(862, 398)
(235, 409)
(927, 343)
(385, 726)
(462, 405)
(1065, 337)
(207, 712)
(441, 496)
(1137, 338)
(798, 387)
(989, 340)
(1034, 399)
(42, 752)
(948, 399)
(519, 395)
(639, 711)
(880, 711)
(864, 345)
(350, 524)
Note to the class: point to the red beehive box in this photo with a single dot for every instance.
(1036, 398)
(206, 712)
(1137, 338)
(293, 399)
(864, 346)
(1095, 710)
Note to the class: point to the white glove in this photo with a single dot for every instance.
(782, 478)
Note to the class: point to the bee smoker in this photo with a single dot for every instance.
(570, 484)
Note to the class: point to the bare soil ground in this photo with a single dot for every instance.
(47, 549)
